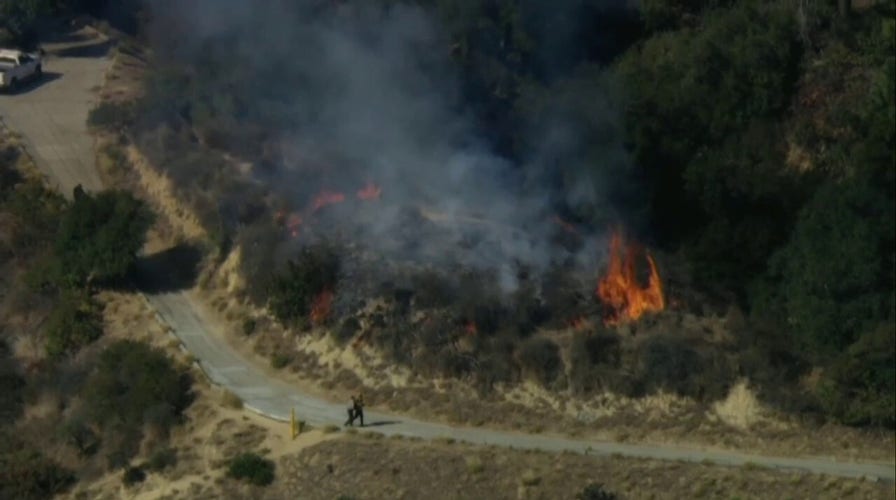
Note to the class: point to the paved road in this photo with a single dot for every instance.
(50, 114)
(52, 118)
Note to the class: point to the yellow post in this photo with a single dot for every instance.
(292, 423)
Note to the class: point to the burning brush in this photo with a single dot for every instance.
(620, 289)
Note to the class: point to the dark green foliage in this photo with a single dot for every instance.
(12, 385)
(99, 237)
(716, 80)
(280, 360)
(594, 362)
(595, 491)
(161, 459)
(347, 330)
(74, 323)
(837, 271)
(31, 201)
(26, 474)
(251, 468)
(132, 476)
(249, 325)
(674, 364)
(540, 357)
(133, 385)
(860, 386)
(313, 271)
(78, 433)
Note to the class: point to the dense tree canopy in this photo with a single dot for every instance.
(99, 236)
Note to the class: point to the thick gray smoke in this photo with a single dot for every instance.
(371, 95)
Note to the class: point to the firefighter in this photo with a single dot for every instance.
(351, 412)
(359, 408)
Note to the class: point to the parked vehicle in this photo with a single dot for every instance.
(17, 67)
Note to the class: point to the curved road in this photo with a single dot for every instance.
(51, 115)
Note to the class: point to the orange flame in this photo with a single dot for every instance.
(620, 289)
(370, 191)
(320, 307)
(293, 223)
(470, 328)
(325, 198)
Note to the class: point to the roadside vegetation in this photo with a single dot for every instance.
(99, 401)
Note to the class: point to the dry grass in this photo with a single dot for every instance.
(393, 469)
(231, 400)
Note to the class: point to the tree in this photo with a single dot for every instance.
(860, 386)
(251, 468)
(73, 324)
(99, 237)
(134, 384)
(316, 269)
(837, 270)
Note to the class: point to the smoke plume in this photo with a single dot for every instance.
(361, 94)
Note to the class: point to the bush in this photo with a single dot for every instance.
(280, 360)
(99, 237)
(595, 491)
(316, 269)
(27, 474)
(134, 385)
(540, 357)
(860, 387)
(114, 116)
(673, 364)
(346, 331)
(162, 459)
(251, 468)
(249, 325)
(74, 323)
(594, 361)
(132, 476)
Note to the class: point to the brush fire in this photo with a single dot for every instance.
(620, 289)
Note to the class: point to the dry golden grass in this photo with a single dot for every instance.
(392, 469)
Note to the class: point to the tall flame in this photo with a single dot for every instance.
(620, 289)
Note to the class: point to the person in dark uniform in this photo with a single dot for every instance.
(351, 412)
(359, 408)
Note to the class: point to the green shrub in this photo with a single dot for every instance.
(27, 474)
(675, 365)
(132, 476)
(251, 468)
(280, 360)
(74, 323)
(347, 330)
(99, 237)
(134, 385)
(162, 459)
(540, 357)
(595, 491)
(860, 386)
(315, 270)
(249, 325)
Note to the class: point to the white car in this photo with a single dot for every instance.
(17, 67)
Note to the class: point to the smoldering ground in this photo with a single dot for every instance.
(352, 95)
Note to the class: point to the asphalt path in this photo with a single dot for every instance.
(51, 116)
